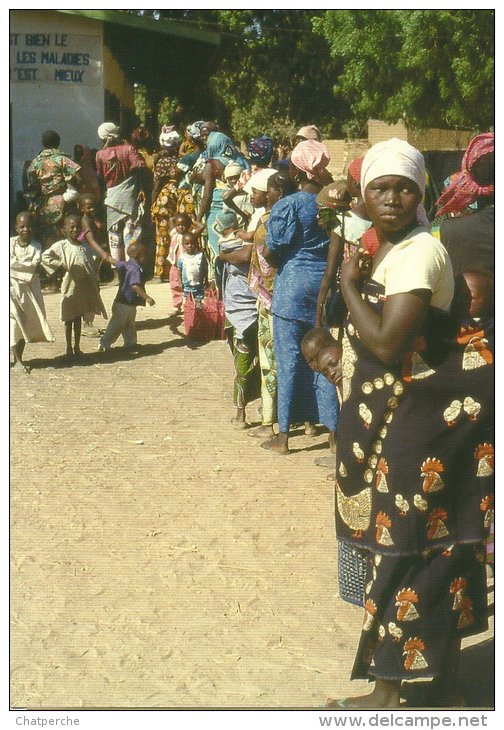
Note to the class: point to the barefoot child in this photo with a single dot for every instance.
(193, 268)
(79, 289)
(27, 311)
(94, 233)
(182, 225)
(131, 294)
(240, 303)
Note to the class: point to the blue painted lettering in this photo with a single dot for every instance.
(61, 74)
(37, 39)
(26, 57)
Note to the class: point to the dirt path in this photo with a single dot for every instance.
(159, 557)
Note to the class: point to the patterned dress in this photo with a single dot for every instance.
(51, 172)
(170, 201)
(415, 488)
(261, 278)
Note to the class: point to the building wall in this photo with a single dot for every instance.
(438, 140)
(49, 92)
(59, 71)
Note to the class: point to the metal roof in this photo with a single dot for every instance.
(168, 27)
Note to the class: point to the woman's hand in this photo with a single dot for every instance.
(356, 267)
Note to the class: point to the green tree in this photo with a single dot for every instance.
(431, 68)
(271, 73)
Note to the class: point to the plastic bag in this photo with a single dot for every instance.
(196, 325)
(215, 314)
(204, 320)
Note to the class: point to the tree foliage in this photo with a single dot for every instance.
(430, 68)
(278, 69)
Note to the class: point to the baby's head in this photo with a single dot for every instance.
(87, 204)
(190, 243)
(329, 362)
(138, 252)
(313, 341)
(474, 293)
(182, 223)
(72, 226)
(24, 226)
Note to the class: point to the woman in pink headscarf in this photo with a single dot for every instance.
(297, 245)
(470, 239)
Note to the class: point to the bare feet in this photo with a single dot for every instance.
(310, 429)
(384, 695)
(261, 432)
(328, 462)
(279, 444)
(21, 367)
(239, 419)
(332, 441)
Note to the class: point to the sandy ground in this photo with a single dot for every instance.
(159, 557)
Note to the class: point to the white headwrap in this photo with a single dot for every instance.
(108, 131)
(396, 157)
(234, 168)
(259, 180)
(169, 136)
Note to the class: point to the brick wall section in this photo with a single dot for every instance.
(344, 151)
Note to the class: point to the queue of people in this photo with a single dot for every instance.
(399, 373)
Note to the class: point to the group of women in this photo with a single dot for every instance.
(415, 442)
(415, 445)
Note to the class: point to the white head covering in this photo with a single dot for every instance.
(169, 136)
(232, 169)
(259, 180)
(396, 157)
(108, 131)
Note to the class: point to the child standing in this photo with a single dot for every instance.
(131, 294)
(240, 303)
(94, 234)
(27, 311)
(193, 268)
(182, 225)
(79, 289)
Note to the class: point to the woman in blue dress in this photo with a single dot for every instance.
(298, 246)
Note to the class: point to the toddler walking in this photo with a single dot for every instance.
(27, 315)
(80, 292)
(130, 294)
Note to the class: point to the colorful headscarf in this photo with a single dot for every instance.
(260, 150)
(108, 131)
(169, 136)
(310, 132)
(355, 168)
(194, 129)
(312, 157)
(220, 147)
(334, 196)
(464, 189)
(396, 157)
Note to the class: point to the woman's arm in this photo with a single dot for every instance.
(239, 256)
(208, 189)
(389, 335)
(334, 259)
